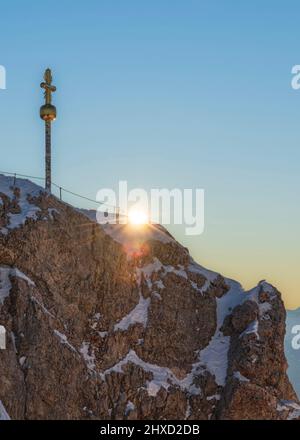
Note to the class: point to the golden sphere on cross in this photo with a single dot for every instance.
(48, 111)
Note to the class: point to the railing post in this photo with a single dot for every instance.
(117, 215)
(60, 193)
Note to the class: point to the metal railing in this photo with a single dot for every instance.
(62, 190)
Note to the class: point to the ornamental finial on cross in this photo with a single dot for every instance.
(47, 85)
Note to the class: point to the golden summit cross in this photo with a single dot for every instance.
(48, 114)
(47, 85)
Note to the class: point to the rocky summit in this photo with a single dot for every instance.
(111, 322)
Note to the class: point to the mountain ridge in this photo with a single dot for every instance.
(128, 328)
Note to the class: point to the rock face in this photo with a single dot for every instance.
(106, 322)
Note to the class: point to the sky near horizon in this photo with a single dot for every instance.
(169, 94)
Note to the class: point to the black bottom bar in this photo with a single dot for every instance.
(91, 430)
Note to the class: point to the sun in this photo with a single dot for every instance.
(137, 217)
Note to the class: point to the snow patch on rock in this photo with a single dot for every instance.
(214, 358)
(88, 356)
(163, 377)
(139, 315)
(3, 414)
(237, 375)
(129, 407)
(289, 405)
(28, 210)
(64, 340)
(5, 284)
(252, 328)
(208, 274)
(214, 397)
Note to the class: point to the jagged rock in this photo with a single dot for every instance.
(103, 323)
(240, 318)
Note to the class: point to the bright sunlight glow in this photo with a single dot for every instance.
(137, 217)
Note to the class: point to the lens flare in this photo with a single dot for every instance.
(137, 217)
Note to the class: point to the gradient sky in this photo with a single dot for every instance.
(169, 94)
